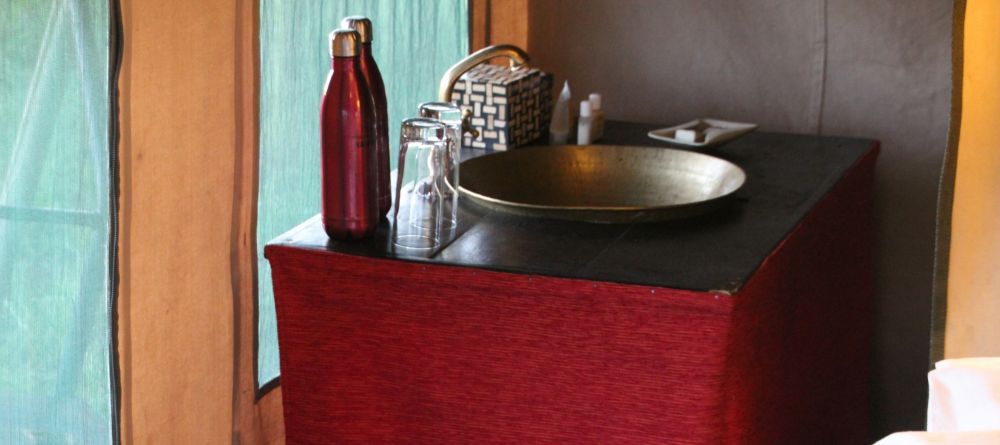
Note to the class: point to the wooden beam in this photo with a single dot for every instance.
(498, 21)
(479, 24)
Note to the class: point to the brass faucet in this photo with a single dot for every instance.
(517, 56)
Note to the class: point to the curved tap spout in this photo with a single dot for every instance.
(517, 59)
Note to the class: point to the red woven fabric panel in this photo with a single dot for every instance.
(377, 351)
(382, 351)
(801, 328)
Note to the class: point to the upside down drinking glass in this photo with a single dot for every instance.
(451, 116)
(417, 216)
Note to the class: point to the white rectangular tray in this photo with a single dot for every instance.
(714, 132)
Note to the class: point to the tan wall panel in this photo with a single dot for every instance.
(176, 213)
(973, 320)
(188, 163)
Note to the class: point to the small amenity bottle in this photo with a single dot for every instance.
(559, 128)
(350, 199)
(597, 117)
(585, 126)
(374, 78)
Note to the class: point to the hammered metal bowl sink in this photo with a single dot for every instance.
(600, 183)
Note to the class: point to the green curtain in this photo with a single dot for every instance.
(415, 41)
(55, 365)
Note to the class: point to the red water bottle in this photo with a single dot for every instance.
(349, 168)
(374, 78)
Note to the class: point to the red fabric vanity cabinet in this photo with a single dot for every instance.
(746, 326)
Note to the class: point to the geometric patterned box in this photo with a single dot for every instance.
(509, 108)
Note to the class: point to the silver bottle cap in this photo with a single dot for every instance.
(361, 24)
(344, 43)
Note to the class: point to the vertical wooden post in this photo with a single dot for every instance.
(498, 21)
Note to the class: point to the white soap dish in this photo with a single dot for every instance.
(702, 132)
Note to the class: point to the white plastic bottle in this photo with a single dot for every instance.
(559, 127)
(585, 128)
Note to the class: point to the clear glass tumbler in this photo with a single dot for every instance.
(451, 116)
(417, 216)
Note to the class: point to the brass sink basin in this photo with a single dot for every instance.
(600, 183)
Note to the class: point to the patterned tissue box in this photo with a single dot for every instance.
(509, 108)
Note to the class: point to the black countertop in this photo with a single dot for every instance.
(786, 176)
